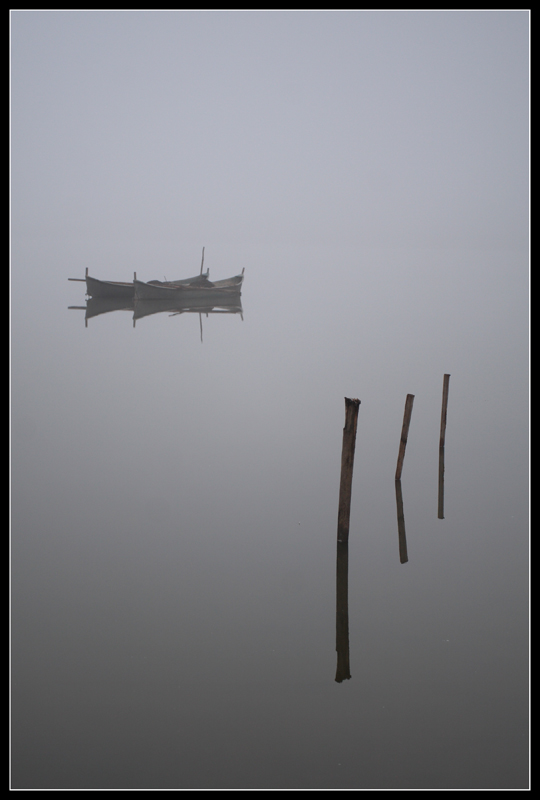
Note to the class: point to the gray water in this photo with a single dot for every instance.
(175, 482)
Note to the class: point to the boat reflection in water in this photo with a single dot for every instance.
(96, 306)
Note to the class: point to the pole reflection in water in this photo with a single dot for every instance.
(342, 572)
(440, 510)
(446, 383)
(403, 557)
(343, 672)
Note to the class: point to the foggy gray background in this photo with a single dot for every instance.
(174, 503)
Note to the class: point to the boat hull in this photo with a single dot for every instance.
(122, 290)
(189, 293)
(96, 288)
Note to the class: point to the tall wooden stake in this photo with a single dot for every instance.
(446, 383)
(347, 462)
(404, 434)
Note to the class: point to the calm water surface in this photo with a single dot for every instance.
(174, 510)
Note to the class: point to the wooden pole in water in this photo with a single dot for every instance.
(347, 463)
(446, 383)
(404, 434)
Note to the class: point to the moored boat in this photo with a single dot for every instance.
(126, 291)
(117, 289)
(198, 286)
(185, 291)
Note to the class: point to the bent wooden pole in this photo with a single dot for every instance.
(404, 434)
(347, 462)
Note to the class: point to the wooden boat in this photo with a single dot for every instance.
(186, 292)
(199, 286)
(112, 289)
(119, 290)
(122, 290)
(184, 281)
